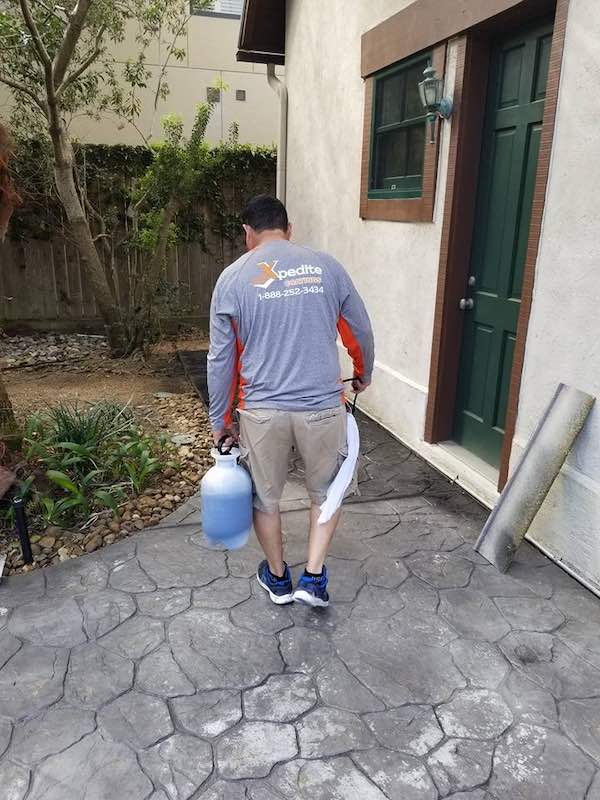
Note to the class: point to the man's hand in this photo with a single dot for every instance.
(358, 385)
(231, 436)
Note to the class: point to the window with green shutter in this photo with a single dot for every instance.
(398, 132)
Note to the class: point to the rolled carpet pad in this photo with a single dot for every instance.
(533, 477)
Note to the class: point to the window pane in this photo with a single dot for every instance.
(390, 99)
(398, 154)
(414, 75)
(390, 157)
(416, 150)
(232, 7)
(399, 133)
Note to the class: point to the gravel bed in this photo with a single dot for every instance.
(51, 348)
(183, 419)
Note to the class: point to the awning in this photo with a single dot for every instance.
(262, 32)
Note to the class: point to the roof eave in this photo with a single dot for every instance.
(257, 57)
(262, 32)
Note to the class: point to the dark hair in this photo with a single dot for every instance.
(264, 213)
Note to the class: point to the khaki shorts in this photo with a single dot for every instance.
(266, 441)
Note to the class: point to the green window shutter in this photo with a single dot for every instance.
(398, 132)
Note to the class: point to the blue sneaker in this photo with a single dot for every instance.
(312, 591)
(280, 589)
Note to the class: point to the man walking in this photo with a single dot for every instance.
(275, 316)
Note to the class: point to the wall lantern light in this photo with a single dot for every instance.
(431, 90)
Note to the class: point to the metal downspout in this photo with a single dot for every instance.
(279, 86)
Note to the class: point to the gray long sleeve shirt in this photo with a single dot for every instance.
(275, 317)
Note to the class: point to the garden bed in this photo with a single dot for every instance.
(161, 415)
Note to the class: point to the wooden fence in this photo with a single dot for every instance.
(42, 283)
(43, 287)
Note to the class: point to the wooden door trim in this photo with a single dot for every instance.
(457, 231)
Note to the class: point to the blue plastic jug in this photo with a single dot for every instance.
(226, 501)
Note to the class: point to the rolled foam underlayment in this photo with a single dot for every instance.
(533, 477)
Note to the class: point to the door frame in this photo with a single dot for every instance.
(470, 97)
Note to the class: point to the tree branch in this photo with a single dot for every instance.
(136, 128)
(20, 87)
(70, 40)
(73, 76)
(163, 71)
(51, 11)
(103, 235)
(37, 39)
(8, 48)
(50, 107)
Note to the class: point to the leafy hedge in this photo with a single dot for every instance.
(111, 176)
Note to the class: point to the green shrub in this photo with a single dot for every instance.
(87, 458)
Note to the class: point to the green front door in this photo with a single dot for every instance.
(516, 94)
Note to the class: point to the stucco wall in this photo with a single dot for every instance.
(210, 44)
(394, 265)
(563, 343)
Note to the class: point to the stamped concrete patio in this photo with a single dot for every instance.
(156, 668)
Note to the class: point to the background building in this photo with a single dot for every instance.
(210, 43)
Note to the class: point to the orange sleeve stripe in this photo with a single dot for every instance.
(237, 381)
(352, 346)
(241, 393)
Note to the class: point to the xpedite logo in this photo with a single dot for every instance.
(267, 275)
(296, 276)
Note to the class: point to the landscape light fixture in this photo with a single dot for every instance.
(431, 90)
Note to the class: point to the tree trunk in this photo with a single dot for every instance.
(80, 228)
(9, 430)
(144, 324)
(159, 258)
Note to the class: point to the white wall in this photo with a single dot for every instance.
(563, 343)
(210, 44)
(393, 264)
